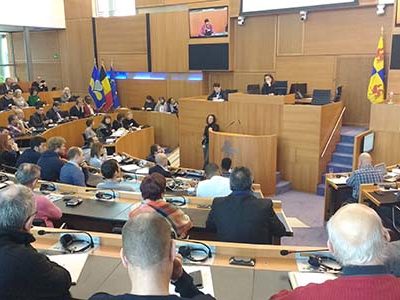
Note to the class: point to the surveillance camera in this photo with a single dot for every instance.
(380, 9)
(241, 20)
(303, 15)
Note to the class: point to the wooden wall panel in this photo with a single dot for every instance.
(149, 3)
(133, 92)
(346, 31)
(394, 82)
(184, 88)
(78, 9)
(241, 80)
(255, 44)
(169, 40)
(353, 74)
(317, 71)
(290, 34)
(125, 62)
(224, 78)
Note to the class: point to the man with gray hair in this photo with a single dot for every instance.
(366, 173)
(149, 255)
(161, 166)
(357, 239)
(25, 273)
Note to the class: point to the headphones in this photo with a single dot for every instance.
(186, 251)
(177, 200)
(320, 262)
(48, 187)
(68, 240)
(3, 178)
(106, 195)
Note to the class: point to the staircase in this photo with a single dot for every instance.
(282, 186)
(342, 158)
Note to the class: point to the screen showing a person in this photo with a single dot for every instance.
(368, 144)
(249, 6)
(208, 22)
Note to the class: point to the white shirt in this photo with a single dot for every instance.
(216, 186)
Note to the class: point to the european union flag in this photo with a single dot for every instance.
(114, 92)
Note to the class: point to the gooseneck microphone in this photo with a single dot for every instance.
(91, 243)
(287, 252)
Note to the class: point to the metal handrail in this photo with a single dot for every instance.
(333, 132)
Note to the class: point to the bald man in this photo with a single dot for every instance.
(357, 239)
(161, 165)
(366, 173)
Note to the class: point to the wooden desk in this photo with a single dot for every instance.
(334, 193)
(103, 270)
(261, 99)
(166, 127)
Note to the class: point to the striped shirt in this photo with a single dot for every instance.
(362, 176)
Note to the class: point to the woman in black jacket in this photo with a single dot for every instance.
(105, 128)
(268, 87)
(9, 151)
(211, 123)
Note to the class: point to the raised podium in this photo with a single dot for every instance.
(257, 152)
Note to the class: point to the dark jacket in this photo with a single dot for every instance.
(221, 95)
(214, 127)
(243, 218)
(116, 124)
(9, 158)
(129, 123)
(5, 104)
(160, 170)
(51, 165)
(27, 274)
(37, 120)
(149, 105)
(28, 156)
(53, 115)
(76, 112)
(104, 131)
(266, 89)
(184, 286)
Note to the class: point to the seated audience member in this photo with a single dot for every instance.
(23, 125)
(172, 106)
(13, 126)
(31, 155)
(19, 101)
(54, 113)
(268, 87)
(87, 107)
(98, 155)
(161, 166)
(28, 175)
(241, 217)
(50, 161)
(33, 98)
(86, 148)
(27, 274)
(226, 164)
(161, 105)
(357, 239)
(129, 121)
(7, 101)
(215, 185)
(89, 132)
(105, 129)
(40, 85)
(154, 149)
(9, 151)
(148, 252)
(6, 86)
(4, 130)
(39, 119)
(217, 93)
(117, 123)
(149, 103)
(71, 172)
(66, 95)
(113, 180)
(77, 110)
(153, 189)
(366, 173)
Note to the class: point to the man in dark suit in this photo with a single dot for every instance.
(54, 113)
(6, 102)
(38, 145)
(217, 93)
(241, 217)
(77, 110)
(161, 166)
(6, 86)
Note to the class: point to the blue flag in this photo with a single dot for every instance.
(96, 88)
(114, 92)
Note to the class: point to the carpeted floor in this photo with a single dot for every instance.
(308, 209)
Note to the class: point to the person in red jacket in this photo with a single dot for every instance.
(357, 239)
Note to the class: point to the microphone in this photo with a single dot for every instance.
(287, 252)
(44, 232)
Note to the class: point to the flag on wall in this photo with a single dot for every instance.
(376, 87)
(96, 88)
(113, 83)
(106, 89)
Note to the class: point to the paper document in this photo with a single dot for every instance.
(130, 168)
(208, 287)
(303, 278)
(120, 132)
(340, 180)
(74, 263)
(396, 171)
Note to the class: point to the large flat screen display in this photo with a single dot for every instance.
(253, 6)
(208, 22)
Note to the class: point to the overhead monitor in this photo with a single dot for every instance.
(208, 22)
(255, 6)
(368, 142)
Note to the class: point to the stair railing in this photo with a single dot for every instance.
(333, 132)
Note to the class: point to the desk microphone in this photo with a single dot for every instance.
(287, 252)
(68, 239)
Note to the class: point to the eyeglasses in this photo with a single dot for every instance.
(30, 216)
